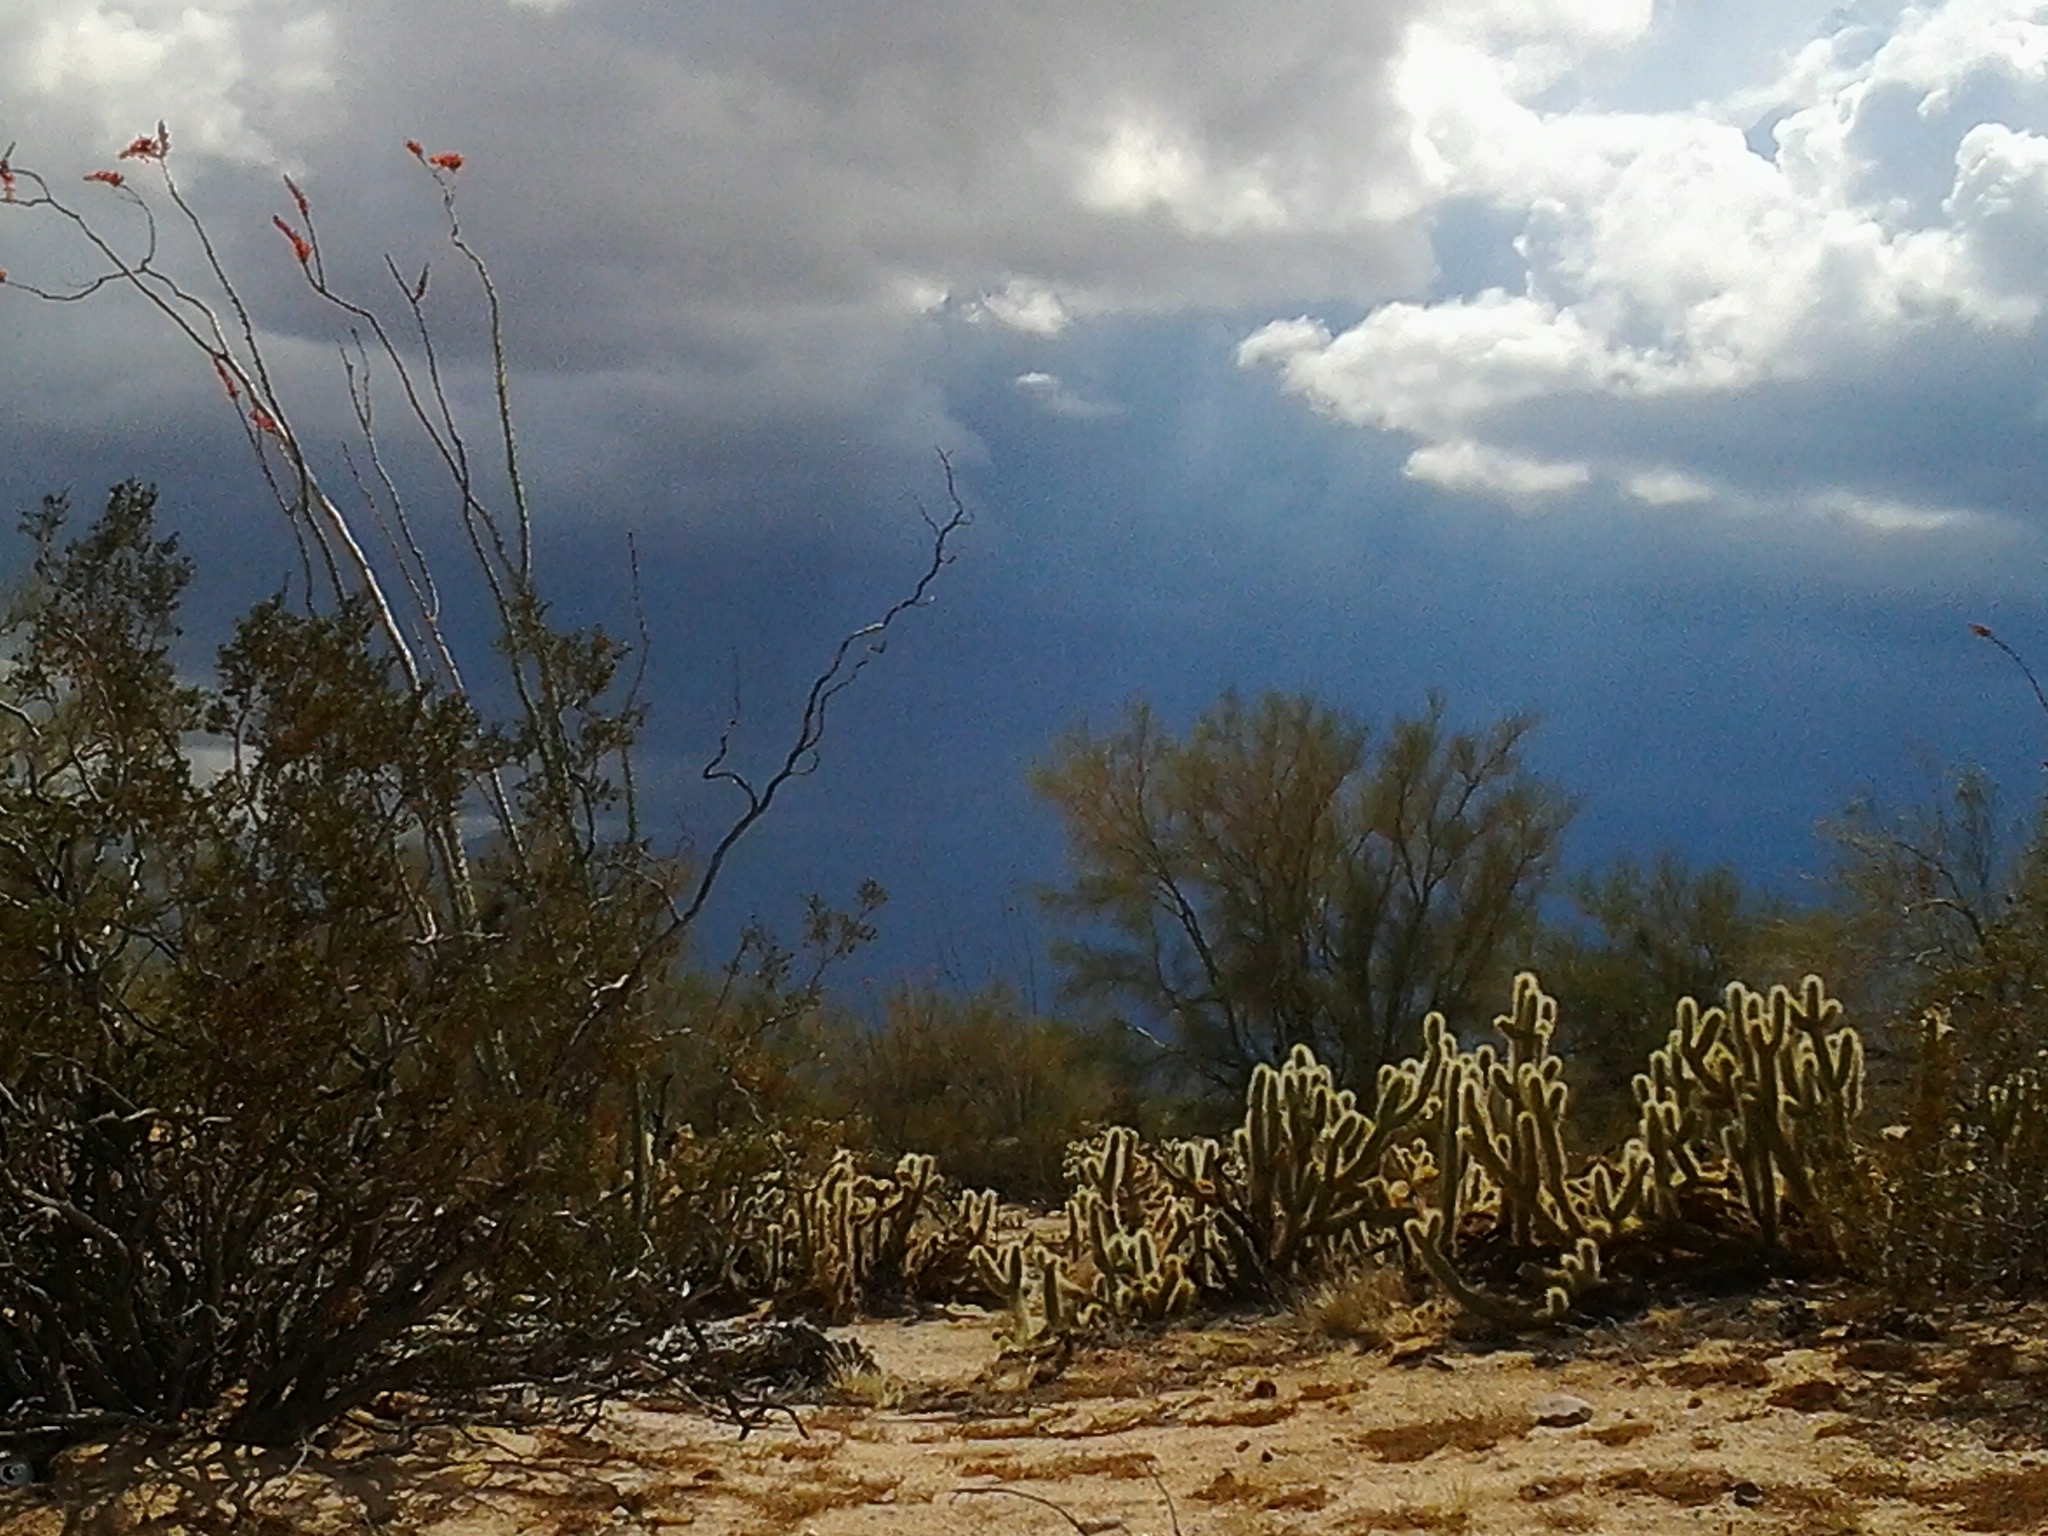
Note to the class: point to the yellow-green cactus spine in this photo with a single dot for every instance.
(1310, 1159)
(1761, 1084)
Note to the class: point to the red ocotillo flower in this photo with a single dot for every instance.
(298, 197)
(144, 148)
(413, 145)
(227, 379)
(265, 422)
(447, 162)
(301, 246)
(1981, 631)
(111, 178)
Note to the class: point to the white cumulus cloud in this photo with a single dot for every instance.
(1670, 259)
(1476, 467)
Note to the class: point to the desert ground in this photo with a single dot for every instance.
(1801, 1411)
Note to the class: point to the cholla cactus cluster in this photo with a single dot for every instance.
(1459, 1167)
(836, 1245)
(1460, 1152)
(1755, 1094)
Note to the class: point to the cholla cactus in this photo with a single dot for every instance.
(1310, 1165)
(1758, 1087)
(1507, 1120)
(1757, 1095)
(833, 1246)
(1576, 1272)
(1044, 1304)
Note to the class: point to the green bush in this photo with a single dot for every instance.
(993, 1093)
(296, 1106)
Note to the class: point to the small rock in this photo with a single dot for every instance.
(1748, 1495)
(1560, 1410)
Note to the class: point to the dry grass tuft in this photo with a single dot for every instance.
(1451, 1516)
(1308, 1496)
(1546, 1488)
(1739, 1371)
(787, 1501)
(868, 1389)
(1226, 1487)
(1008, 1467)
(1362, 1305)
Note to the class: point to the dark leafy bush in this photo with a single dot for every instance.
(298, 1101)
(992, 1092)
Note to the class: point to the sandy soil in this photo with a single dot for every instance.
(1813, 1415)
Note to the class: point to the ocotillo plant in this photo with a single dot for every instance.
(383, 987)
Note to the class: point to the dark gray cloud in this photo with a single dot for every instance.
(1674, 369)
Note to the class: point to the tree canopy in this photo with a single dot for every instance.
(1282, 876)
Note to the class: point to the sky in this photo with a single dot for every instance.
(1672, 370)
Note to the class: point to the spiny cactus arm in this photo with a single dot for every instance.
(1450, 1148)
(1506, 1139)
(1698, 1043)
(1615, 1196)
(1104, 1236)
(1405, 1096)
(1003, 1271)
(1425, 1240)
(1197, 1172)
(1058, 1298)
(1659, 1130)
(891, 1212)
(1838, 1056)
(1257, 1140)
(1138, 1278)
(1756, 1180)
(1576, 1273)
(1529, 1023)
(977, 1213)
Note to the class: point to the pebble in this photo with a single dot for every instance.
(1560, 1410)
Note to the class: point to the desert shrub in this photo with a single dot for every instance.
(294, 1104)
(335, 1069)
(1947, 904)
(993, 1093)
(1457, 1165)
(1961, 1204)
(1281, 874)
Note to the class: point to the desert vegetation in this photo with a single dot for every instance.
(358, 1055)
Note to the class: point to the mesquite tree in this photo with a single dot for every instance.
(321, 1074)
(1272, 879)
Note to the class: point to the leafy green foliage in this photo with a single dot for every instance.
(994, 1094)
(1649, 937)
(296, 1108)
(1274, 879)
